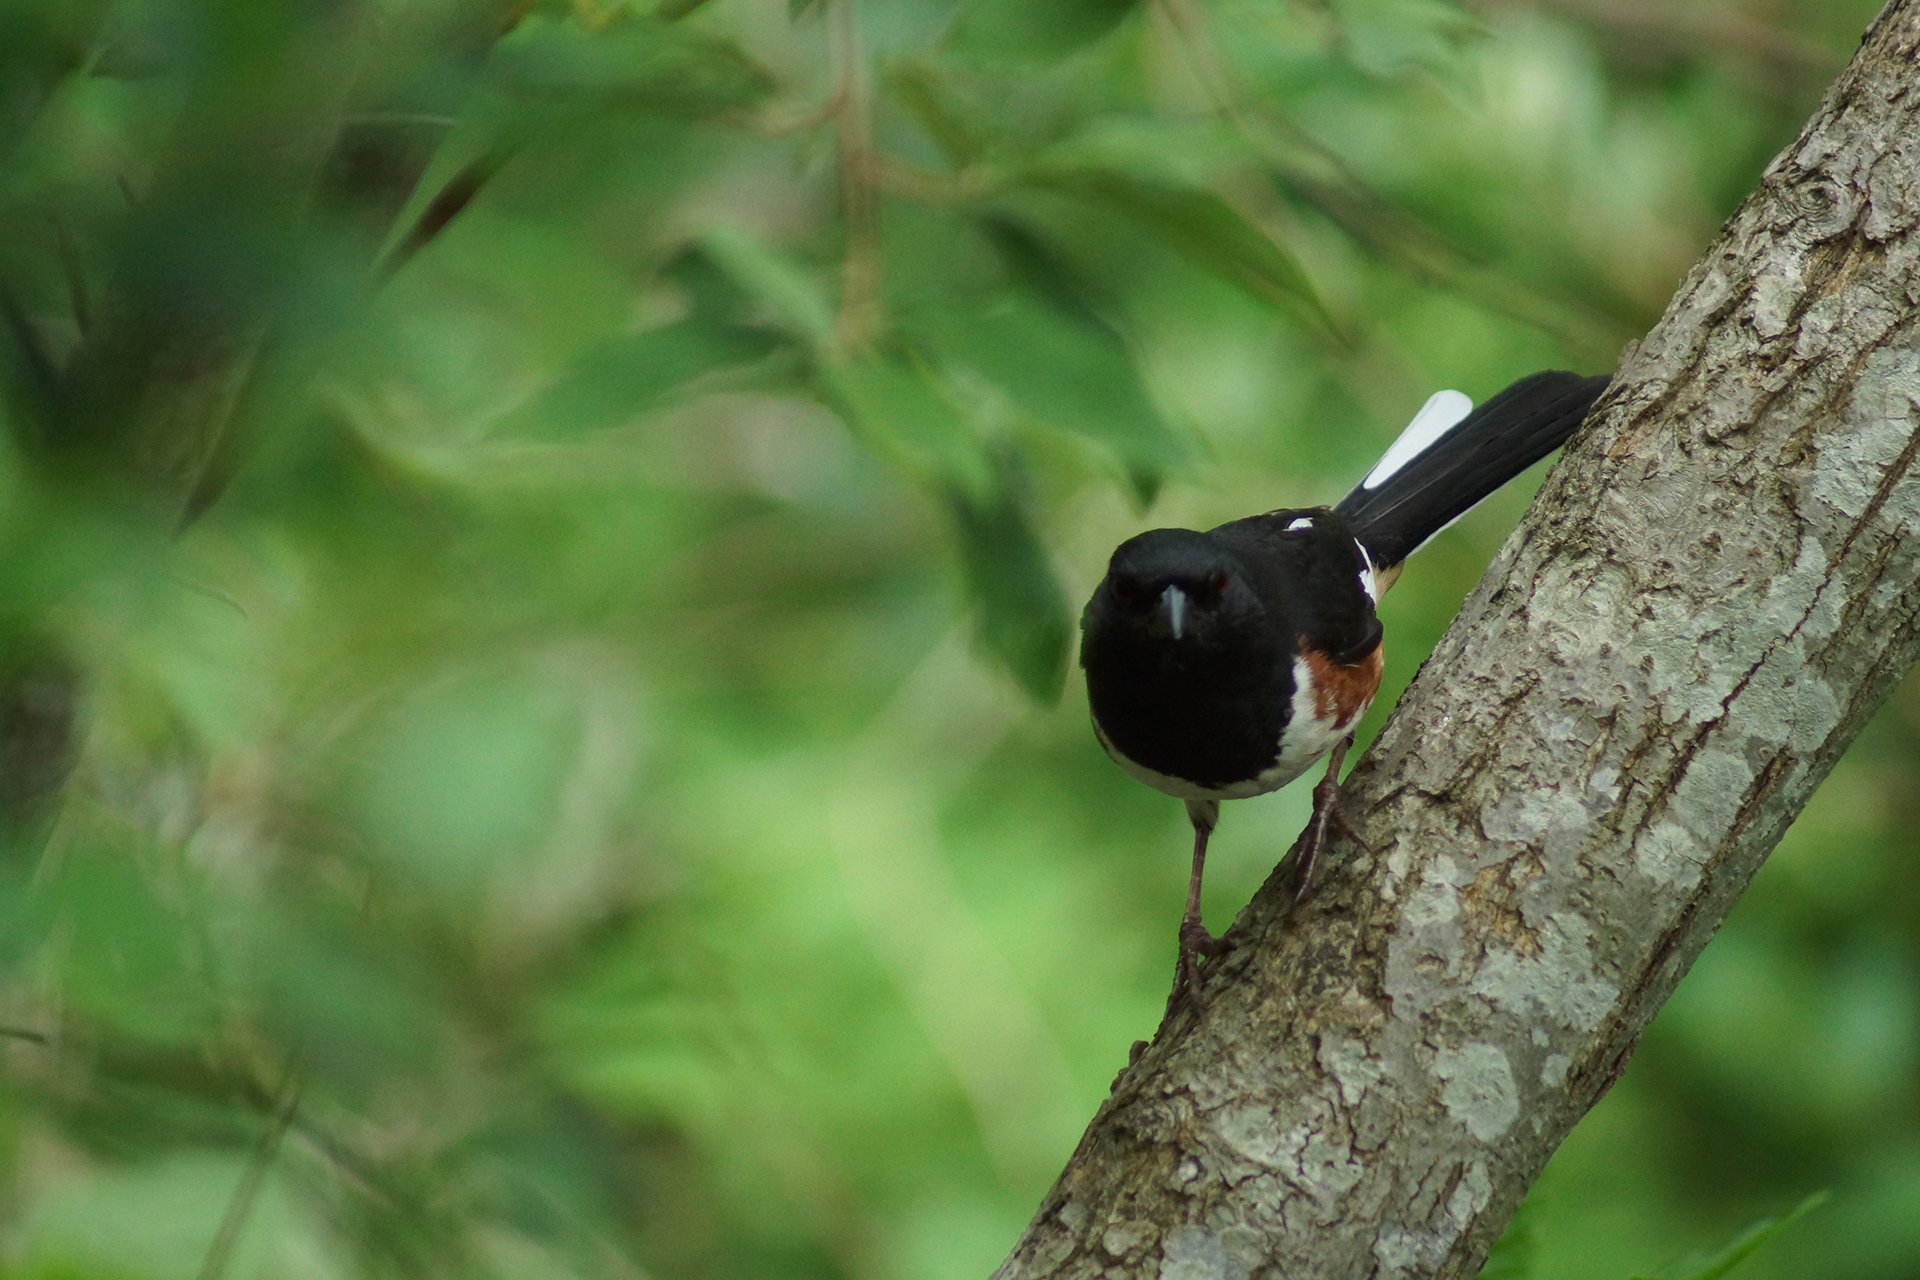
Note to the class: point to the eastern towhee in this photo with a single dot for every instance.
(1223, 664)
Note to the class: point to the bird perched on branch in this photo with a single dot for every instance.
(1223, 664)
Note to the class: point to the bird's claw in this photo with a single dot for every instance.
(1195, 940)
(1327, 816)
(1195, 944)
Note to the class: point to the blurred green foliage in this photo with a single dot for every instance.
(546, 537)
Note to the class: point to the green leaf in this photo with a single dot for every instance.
(647, 62)
(897, 411)
(1022, 31)
(1204, 227)
(1387, 38)
(1035, 264)
(127, 957)
(960, 122)
(460, 782)
(1058, 368)
(901, 410)
(1742, 1247)
(623, 379)
(798, 302)
(1024, 620)
(1193, 220)
(1170, 152)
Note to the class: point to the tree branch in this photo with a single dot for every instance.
(1715, 589)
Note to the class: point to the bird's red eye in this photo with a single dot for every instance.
(1212, 587)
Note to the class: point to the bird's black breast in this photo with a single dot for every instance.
(1213, 728)
(1212, 711)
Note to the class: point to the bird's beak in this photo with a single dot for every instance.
(1173, 602)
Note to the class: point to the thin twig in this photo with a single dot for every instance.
(782, 122)
(244, 1195)
(932, 186)
(859, 181)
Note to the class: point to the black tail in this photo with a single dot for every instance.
(1444, 479)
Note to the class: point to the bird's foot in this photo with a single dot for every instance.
(1327, 816)
(1195, 944)
(1133, 1058)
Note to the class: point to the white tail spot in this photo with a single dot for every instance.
(1440, 414)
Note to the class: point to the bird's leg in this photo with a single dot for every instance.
(1195, 941)
(1326, 814)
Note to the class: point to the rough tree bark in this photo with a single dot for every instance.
(1715, 589)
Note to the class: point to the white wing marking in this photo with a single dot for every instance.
(1369, 576)
(1439, 415)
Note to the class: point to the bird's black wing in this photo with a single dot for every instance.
(1308, 569)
